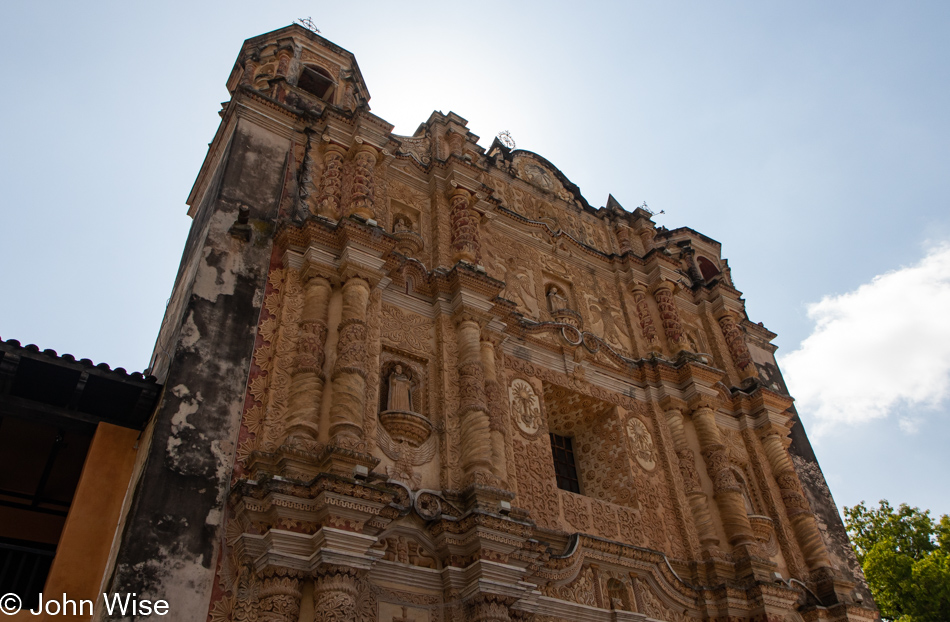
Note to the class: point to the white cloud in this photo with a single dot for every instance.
(881, 348)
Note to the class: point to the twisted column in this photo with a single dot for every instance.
(349, 373)
(364, 183)
(306, 383)
(738, 349)
(726, 489)
(663, 294)
(476, 447)
(698, 502)
(647, 327)
(496, 421)
(279, 600)
(796, 505)
(465, 243)
(331, 185)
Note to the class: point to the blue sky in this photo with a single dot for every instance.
(811, 139)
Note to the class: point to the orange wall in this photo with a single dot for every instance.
(84, 548)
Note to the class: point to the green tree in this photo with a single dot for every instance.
(905, 555)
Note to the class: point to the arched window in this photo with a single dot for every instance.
(708, 269)
(316, 80)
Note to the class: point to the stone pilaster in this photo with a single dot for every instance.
(663, 294)
(476, 446)
(737, 346)
(726, 490)
(698, 501)
(623, 238)
(465, 240)
(493, 399)
(331, 185)
(250, 70)
(363, 191)
(284, 55)
(796, 505)
(307, 189)
(647, 327)
(349, 373)
(306, 385)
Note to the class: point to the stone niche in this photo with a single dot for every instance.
(406, 228)
(405, 432)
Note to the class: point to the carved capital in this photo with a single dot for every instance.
(335, 594)
(699, 402)
(280, 599)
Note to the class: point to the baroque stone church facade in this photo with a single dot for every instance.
(411, 379)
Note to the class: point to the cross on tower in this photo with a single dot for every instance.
(307, 23)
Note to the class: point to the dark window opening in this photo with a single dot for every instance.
(315, 80)
(40, 465)
(565, 467)
(24, 567)
(708, 269)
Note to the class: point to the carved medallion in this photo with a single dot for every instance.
(525, 406)
(641, 443)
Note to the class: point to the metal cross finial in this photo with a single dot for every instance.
(307, 23)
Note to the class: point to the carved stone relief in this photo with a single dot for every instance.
(406, 330)
(525, 407)
(406, 550)
(273, 362)
(535, 477)
(641, 443)
(581, 590)
(520, 286)
(608, 322)
(650, 604)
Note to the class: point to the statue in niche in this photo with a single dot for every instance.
(556, 299)
(400, 390)
(402, 225)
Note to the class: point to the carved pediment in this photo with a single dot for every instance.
(540, 175)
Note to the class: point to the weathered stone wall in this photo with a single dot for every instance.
(169, 546)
